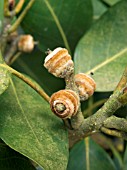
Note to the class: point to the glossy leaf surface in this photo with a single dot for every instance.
(12, 160)
(59, 23)
(98, 9)
(125, 159)
(111, 2)
(96, 157)
(28, 126)
(103, 50)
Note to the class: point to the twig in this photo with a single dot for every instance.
(76, 135)
(21, 17)
(76, 120)
(14, 58)
(122, 83)
(16, 10)
(87, 153)
(123, 98)
(19, 6)
(116, 133)
(116, 123)
(95, 121)
(11, 52)
(28, 81)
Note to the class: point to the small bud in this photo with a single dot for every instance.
(26, 43)
(59, 63)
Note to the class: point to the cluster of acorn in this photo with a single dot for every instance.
(65, 103)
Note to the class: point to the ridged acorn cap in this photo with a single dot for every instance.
(64, 103)
(85, 84)
(59, 63)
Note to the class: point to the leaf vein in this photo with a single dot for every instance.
(110, 59)
(58, 25)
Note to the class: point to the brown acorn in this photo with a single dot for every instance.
(26, 43)
(59, 63)
(64, 103)
(85, 84)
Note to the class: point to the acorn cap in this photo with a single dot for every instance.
(85, 84)
(59, 63)
(64, 103)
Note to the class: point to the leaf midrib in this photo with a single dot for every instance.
(58, 25)
(86, 140)
(109, 60)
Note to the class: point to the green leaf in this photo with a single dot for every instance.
(89, 155)
(111, 2)
(4, 77)
(125, 159)
(59, 23)
(1, 14)
(103, 50)
(11, 160)
(28, 126)
(98, 8)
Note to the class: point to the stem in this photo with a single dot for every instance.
(28, 81)
(116, 133)
(19, 6)
(87, 153)
(116, 123)
(122, 83)
(14, 58)
(4, 36)
(6, 10)
(95, 121)
(21, 17)
(70, 83)
(11, 52)
(76, 120)
(75, 136)
(123, 98)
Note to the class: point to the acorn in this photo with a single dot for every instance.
(59, 63)
(64, 103)
(85, 84)
(26, 43)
